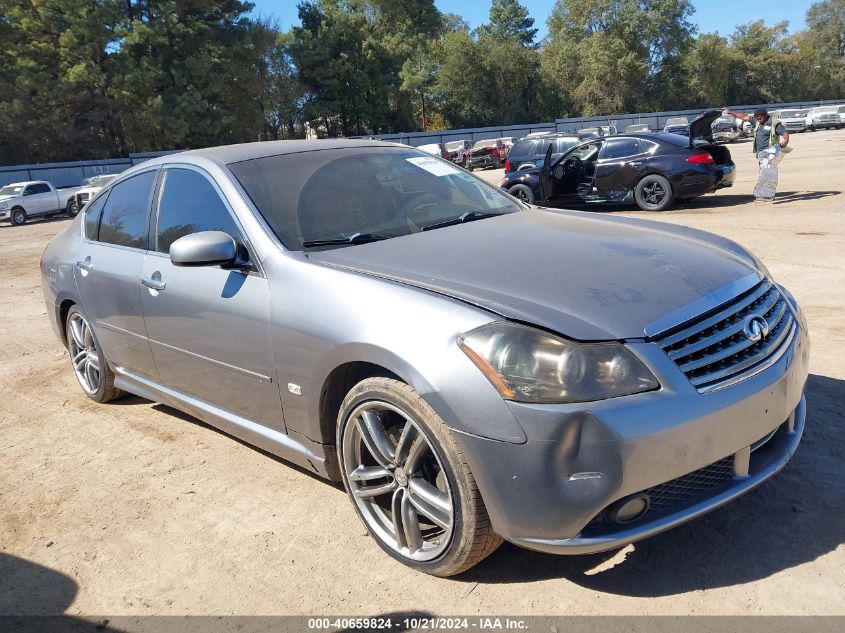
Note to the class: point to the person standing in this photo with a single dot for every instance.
(770, 138)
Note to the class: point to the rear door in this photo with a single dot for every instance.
(108, 270)
(209, 327)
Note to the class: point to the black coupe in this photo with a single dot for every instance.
(649, 169)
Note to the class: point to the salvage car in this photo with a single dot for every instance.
(725, 130)
(459, 151)
(472, 369)
(490, 152)
(677, 125)
(20, 201)
(637, 127)
(823, 117)
(651, 170)
(89, 189)
(435, 149)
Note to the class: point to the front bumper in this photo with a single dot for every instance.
(550, 493)
(483, 161)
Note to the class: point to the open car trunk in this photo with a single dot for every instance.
(720, 153)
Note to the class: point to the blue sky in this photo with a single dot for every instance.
(710, 15)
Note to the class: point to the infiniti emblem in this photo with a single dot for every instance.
(755, 328)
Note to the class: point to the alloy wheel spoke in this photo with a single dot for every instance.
(396, 515)
(375, 438)
(415, 453)
(368, 473)
(92, 377)
(79, 360)
(410, 523)
(430, 502)
(87, 336)
(368, 492)
(76, 332)
(409, 433)
(94, 361)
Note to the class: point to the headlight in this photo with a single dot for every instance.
(4, 205)
(529, 365)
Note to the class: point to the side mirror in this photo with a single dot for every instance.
(207, 248)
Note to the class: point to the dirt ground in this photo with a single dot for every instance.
(133, 508)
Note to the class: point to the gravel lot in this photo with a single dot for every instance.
(134, 508)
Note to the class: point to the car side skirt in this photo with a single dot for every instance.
(291, 447)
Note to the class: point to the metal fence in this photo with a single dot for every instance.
(73, 173)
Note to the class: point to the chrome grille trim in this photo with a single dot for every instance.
(713, 352)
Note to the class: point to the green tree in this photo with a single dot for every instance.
(509, 20)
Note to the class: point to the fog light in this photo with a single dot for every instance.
(628, 510)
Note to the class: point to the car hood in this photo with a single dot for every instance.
(2, 198)
(587, 277)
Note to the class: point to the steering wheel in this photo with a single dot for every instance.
(411, 205)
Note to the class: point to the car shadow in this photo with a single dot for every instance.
(792, 519)
(133, 400)
(37, 220)
(30, 589)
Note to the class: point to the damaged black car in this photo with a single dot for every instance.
(650, 170)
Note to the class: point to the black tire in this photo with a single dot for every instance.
(105, 390)
(653, 193)
(469, 167)
(471, 538)
(72, 209)
(18, 217)
(523, 192)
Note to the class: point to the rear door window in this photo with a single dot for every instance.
(92, 217)
(126, 214)
(620, 148)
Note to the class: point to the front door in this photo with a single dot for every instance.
(209, 327)
(621, 163)
(40, 199)
(108, 269)
(574, 173)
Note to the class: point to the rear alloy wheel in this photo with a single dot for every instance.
(408, 480)
(523, 192)
(653, 193)
(18, 217)
(89, 364)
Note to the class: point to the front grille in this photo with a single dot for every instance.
(690, 486)
(713, 351)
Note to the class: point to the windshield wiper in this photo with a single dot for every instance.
(356, 238)
(469, 216)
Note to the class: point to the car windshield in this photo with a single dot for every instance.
(825, 110)
(453, 145)
(678, 120)
(362, 194)
(485, 143)
(11, 190)
(789, 114)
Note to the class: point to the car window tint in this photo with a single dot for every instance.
(39, 188)
(647, 146)
(190, 204)
(563, 144)
(125, 215)
(92, 217)
(619, 148)
(523, 148)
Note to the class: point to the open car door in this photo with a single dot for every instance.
(546, 180)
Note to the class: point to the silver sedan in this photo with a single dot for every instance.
(469, 367)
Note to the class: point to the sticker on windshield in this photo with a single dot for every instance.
(433, 166)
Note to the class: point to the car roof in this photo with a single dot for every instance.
(23, 183)
(229, 154)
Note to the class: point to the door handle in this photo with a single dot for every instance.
(153, 284)
(85, 265)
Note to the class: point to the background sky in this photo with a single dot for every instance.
(710, 15)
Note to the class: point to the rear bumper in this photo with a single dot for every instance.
(702, 179)
(483, 161)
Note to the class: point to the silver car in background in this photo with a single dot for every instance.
(469, 367)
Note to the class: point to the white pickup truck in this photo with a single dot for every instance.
(20, 201)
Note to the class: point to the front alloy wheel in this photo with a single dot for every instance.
(408, 481)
